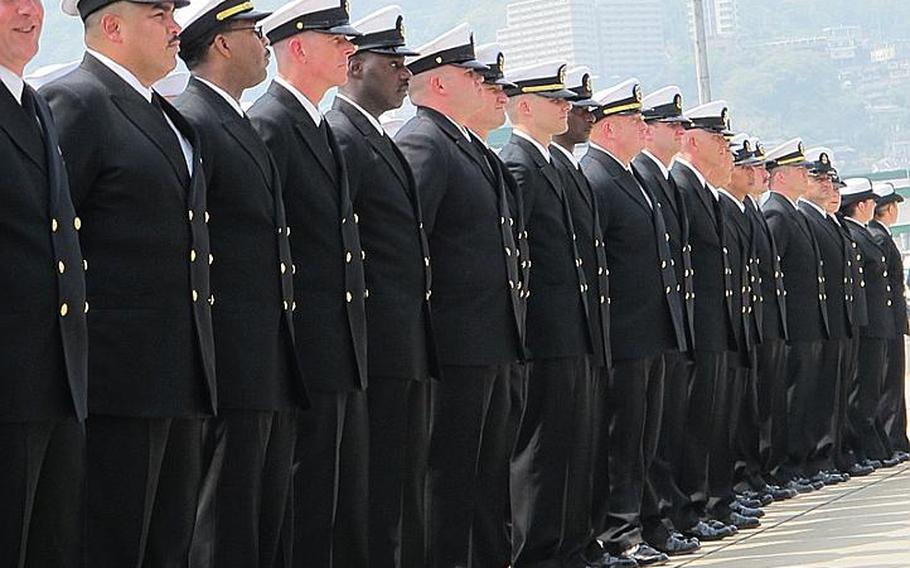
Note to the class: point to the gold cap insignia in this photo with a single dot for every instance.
(501, 61)
(636, 92)
(562, 74)
(587, 83)
(800, 148)
(677, 100)
(399, 25)
(747, 146)
(824, 159)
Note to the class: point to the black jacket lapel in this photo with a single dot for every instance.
(16, 123)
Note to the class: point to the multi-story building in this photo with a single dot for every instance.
(539, 30)
(721, 18)
(631, 39)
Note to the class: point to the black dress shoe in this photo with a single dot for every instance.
(677, 544)
(751, 503)
(754, 512)
(874, 464)
(799, 487)
(901, 456)
(860, 470)
(817, 485)
(705, 532)
(610, 561)
(722, 525)
(781, 494)
(646, 555)
(742, 522)
(890, 462)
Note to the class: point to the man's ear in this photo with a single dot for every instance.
(355, 67)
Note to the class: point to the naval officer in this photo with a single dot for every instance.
(402, 355)
(476, 314)
(310, 39)
(646, 320)
(42, 321)
(148, 398)
(259, 380)
(552, 446)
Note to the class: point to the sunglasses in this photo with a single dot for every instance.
(257, 31)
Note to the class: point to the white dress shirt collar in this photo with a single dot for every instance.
(224, 94)
(731, 197)
(701, 178)
(815, 206)
(790, 201)
(571, 157)
(540, 148)
(372, 119)
(123, 73)
(462, 129)
(310, 108)
(608, 153)
(13, 82)
(472, 134)
(663, 168)
(883, 226)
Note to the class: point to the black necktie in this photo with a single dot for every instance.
(28, 105)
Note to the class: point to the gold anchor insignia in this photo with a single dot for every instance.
(636, 91)
(501, 61)
(400, 25)
(677, 100)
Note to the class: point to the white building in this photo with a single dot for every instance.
(721, 18)
(631, 39)
(538, 30)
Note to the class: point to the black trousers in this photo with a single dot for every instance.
(662, 497)
(143, 481)
(710, 367)
(824, 419)
(399, 444)
(747, 472)
(728, 402)
(330, 477)
(474, 425)
(893, 406)
(870, 439)
(42, 493)
(244, 506)
(843, 455)
(772, 385)
(551, 465)
(633, 411)
(803, 364)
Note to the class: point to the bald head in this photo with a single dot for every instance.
(451, 90)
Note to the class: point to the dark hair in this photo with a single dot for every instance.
(195, 54)
(849, 210)
(880, 209)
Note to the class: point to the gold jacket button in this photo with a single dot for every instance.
(192, 255)
(211, 259)
(206, 216)
(64, 309)
(86, 307)
(293, 306)
(288, 228)
(189, 215)
(366, 293)
(348, 256)
(54, 225)
(85, 265)
(349, 297)
(77, 223)
(284, 304)
(363, 255)
(195, 295)
(61, 268)
(284, 268)
(212, 299)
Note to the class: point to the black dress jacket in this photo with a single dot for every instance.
(251, 267)
(42, 317)
(397, 270)
(740, 258)
(676, 217)
(874, 283)
(329, 288)
(770, 307)
(144, 219)
(646, 317)
(714, 315)
(558, 305)
(807, 311)
(468, 221)
(860, 310)
(591, 251)
(836, 270)
(895, 275)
